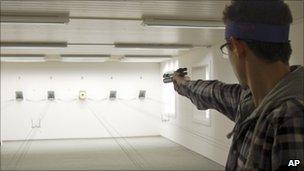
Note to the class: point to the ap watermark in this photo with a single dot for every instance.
(293, 163)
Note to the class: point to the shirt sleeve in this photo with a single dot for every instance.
(288, 146)
(213, 94)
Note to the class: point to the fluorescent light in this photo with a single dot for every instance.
(145, 58)
(35, 18)
(33, 45)
(148, 56)
(22, 58)
(203, 24)
(84, 58)
(153, 46)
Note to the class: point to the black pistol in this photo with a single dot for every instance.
(167, 77)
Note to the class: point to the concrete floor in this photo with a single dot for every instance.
(143, 153)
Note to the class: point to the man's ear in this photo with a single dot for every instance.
(238, 47)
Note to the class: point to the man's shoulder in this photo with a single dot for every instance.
(291, 109)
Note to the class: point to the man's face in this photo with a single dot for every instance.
(237, 60)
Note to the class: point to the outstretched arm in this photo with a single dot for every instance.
(210, 94)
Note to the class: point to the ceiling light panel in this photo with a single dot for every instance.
(33, 45)
(146, 58)
(152, 46)
(22, 58)
(85, 58)
(35, 18)
(203, 24)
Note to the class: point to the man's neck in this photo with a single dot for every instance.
(263, 77)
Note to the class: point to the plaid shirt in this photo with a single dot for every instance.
(279, 137)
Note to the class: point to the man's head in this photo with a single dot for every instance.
(269, 14)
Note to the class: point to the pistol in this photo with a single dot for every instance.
(168, 76)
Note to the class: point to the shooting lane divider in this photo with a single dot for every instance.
(25, 145)
(123, 147)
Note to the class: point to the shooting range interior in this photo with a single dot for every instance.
(82, 84)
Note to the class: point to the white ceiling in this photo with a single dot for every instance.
(127, 29)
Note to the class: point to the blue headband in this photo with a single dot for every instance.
(259, 32)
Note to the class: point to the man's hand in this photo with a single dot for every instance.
(178, 81)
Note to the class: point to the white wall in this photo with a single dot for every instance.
(73, 119)
(211, 141)
(208, 140)
(296, 37)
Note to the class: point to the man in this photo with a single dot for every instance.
(267, 106)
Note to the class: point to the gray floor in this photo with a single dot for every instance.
(144, 153)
